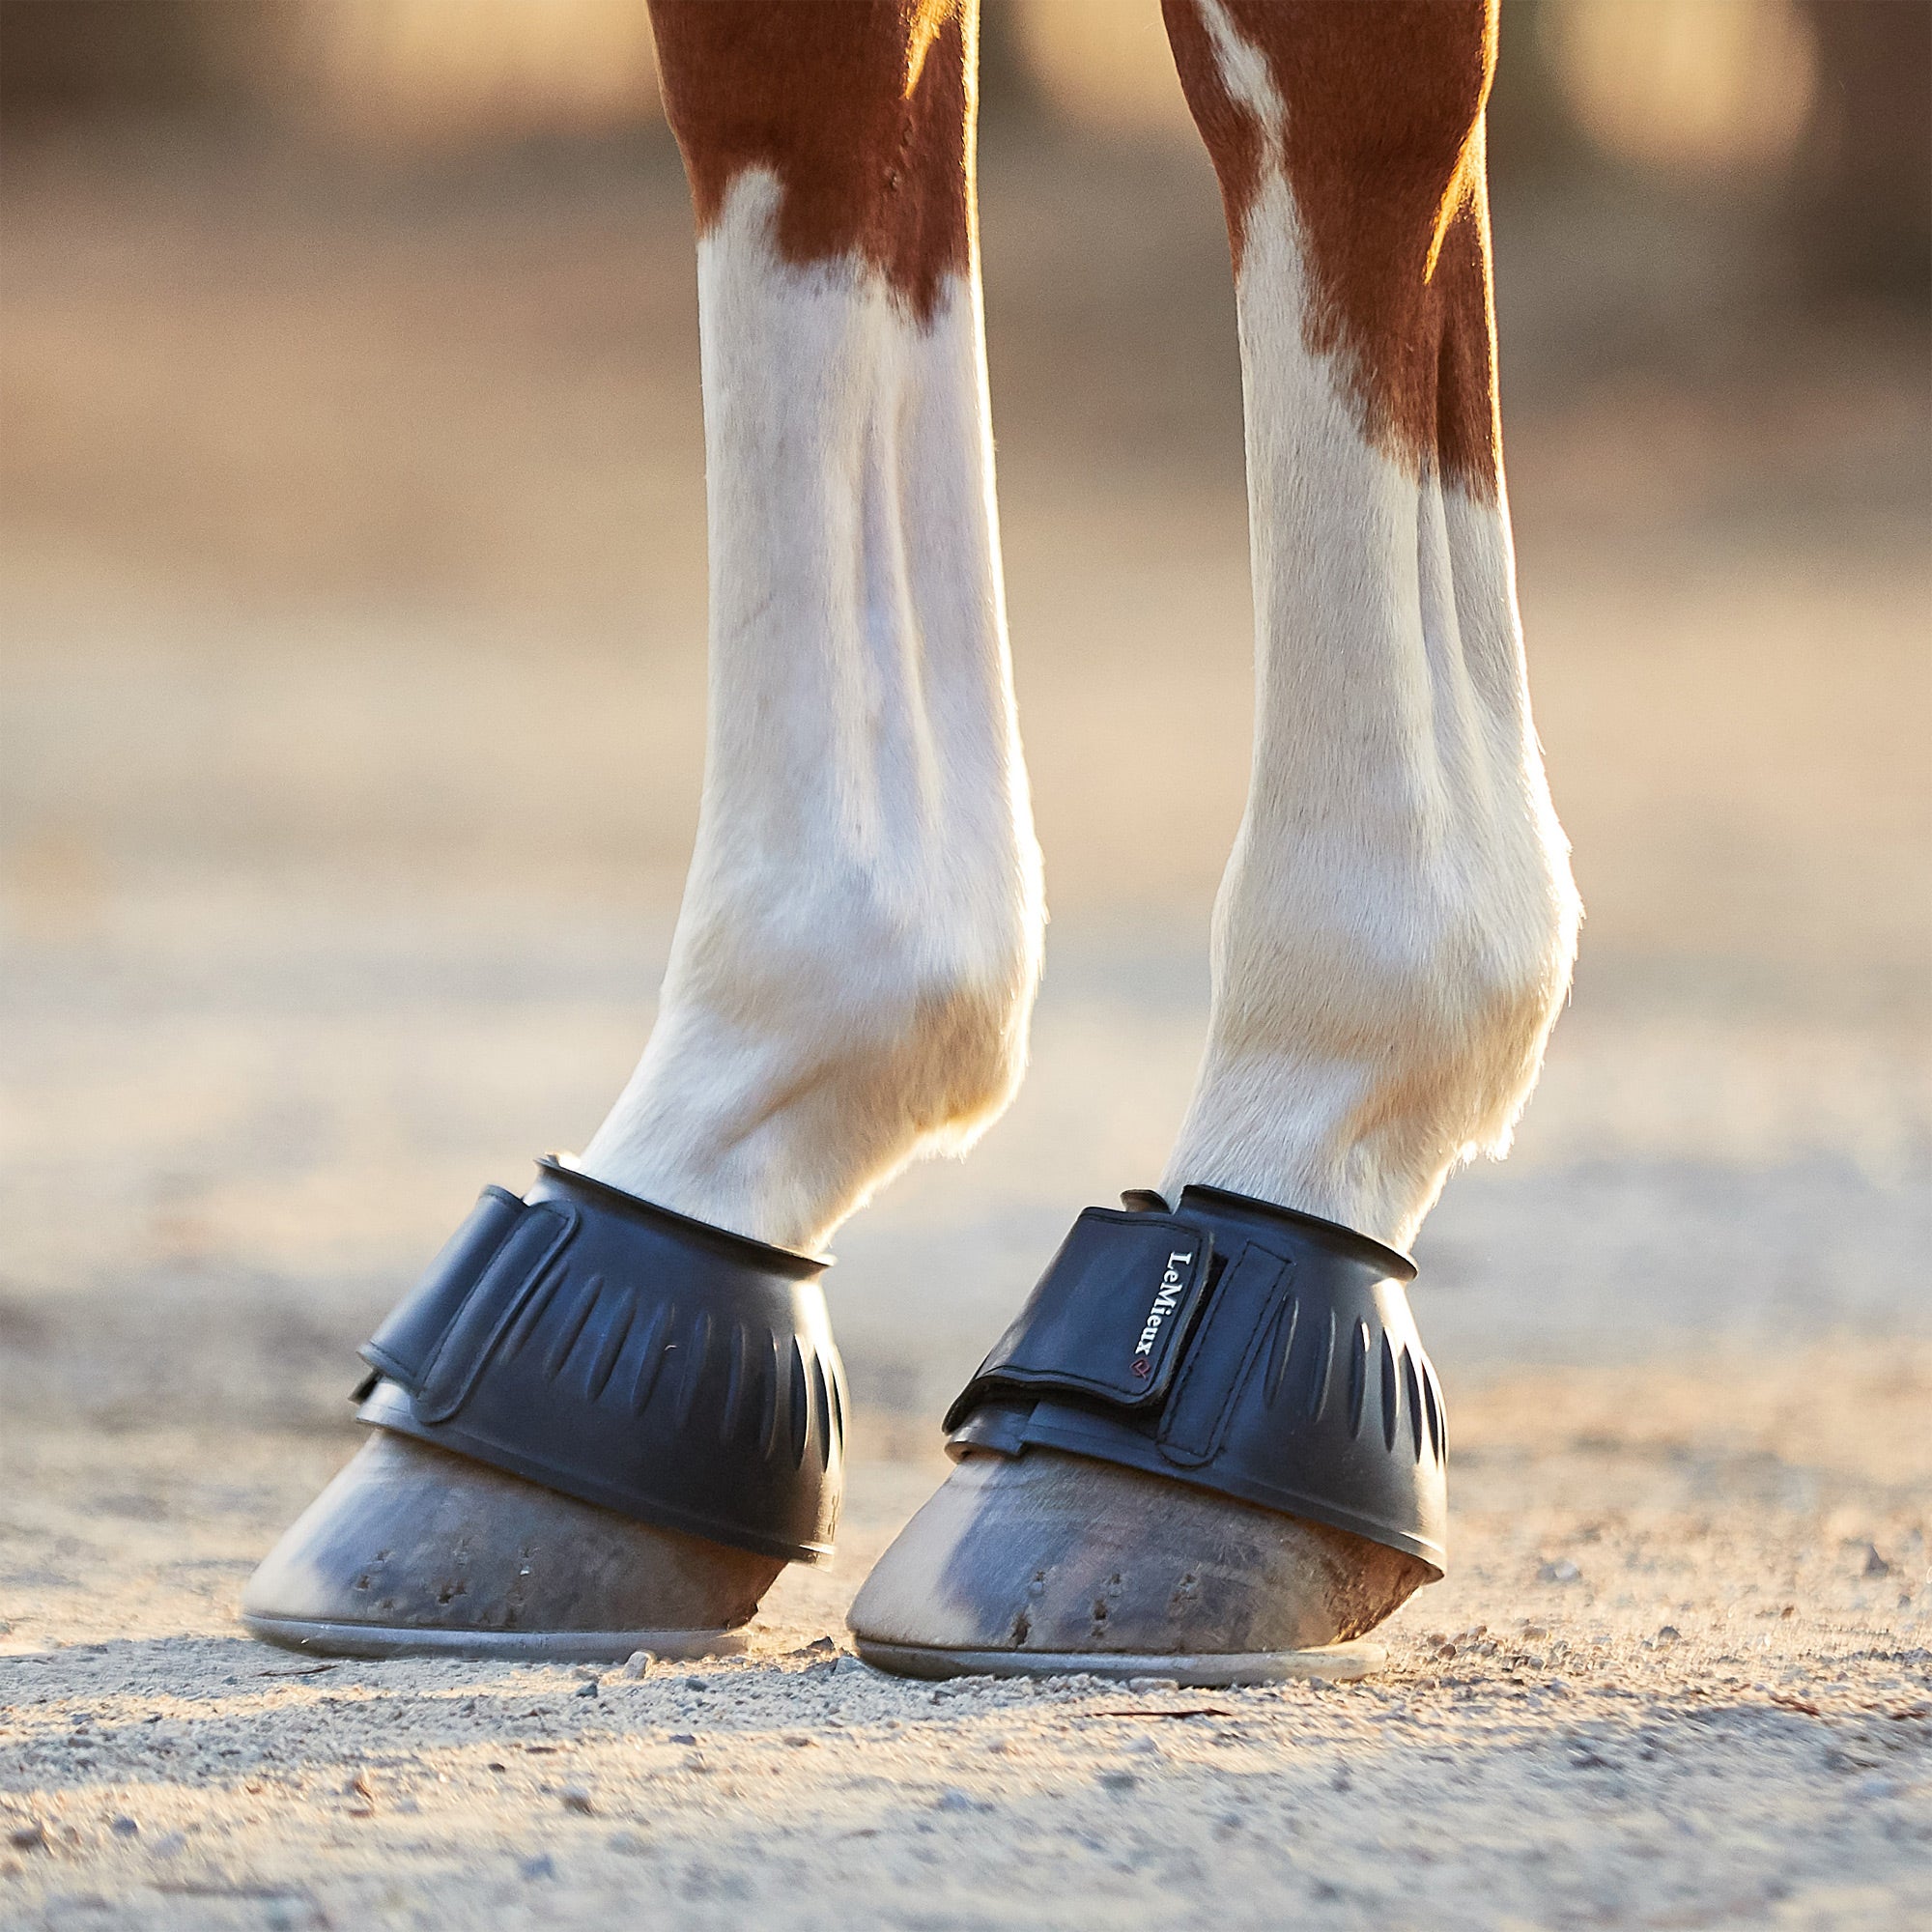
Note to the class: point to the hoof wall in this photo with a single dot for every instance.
(412, 1551)
(1044, 1563)
(1331, 1664)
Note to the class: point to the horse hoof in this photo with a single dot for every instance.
(414, 1551)
(1047, 1564)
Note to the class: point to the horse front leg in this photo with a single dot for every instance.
(855, 958)
(1394, 933)
(1391, 945)
(854, 961)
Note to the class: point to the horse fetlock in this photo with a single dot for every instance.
(779, 1115)
(1354, 1061)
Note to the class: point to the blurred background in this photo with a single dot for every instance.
(351, 530)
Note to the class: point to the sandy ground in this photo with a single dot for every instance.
(1682, 1677)
(351, 551)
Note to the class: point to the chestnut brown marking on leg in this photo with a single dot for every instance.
(1382, 143)
(864, 109)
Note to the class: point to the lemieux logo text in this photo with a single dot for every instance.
(1172, 1282)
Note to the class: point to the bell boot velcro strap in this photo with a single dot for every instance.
(1107, 1321)
(1285, 1371)
(629, 1356)
(439, 1336)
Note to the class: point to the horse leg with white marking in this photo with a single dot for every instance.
(854, 962)
(1394, 934)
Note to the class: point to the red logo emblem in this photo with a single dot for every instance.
(1142, 1367)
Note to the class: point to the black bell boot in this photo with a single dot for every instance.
(1210, 1448)
(599, 1426)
